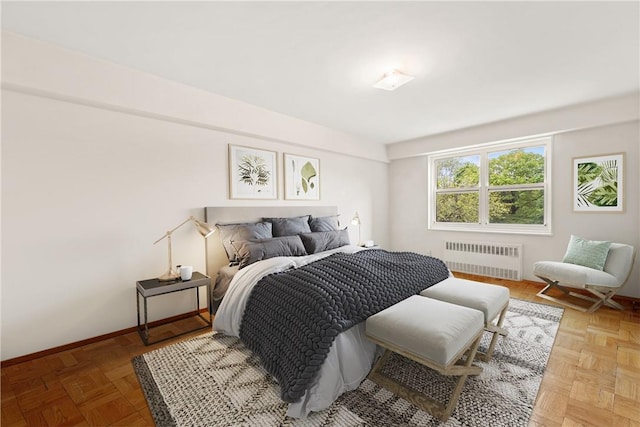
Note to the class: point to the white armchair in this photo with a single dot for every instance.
(602, 284)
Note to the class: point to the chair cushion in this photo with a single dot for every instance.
(575, 276)
(428, 328)
(489, 299)
(589, 253)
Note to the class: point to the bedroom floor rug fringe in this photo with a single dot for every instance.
(213, 380)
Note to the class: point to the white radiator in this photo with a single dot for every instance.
(501, 260)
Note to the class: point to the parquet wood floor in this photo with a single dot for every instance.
(592, 378)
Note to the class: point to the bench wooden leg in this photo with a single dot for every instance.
(419, 399)
(496, 330)
(453, 400)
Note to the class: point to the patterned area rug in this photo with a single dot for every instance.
(214, 380)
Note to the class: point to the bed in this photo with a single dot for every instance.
(349, 355)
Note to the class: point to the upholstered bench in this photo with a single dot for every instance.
(434, 333)
(491, 300)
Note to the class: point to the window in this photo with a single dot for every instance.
(493, 188)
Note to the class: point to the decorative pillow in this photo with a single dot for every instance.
(289, 226)
(250, 252)
(325, 240)
(242, 232)
(588, 253)
(325, 223)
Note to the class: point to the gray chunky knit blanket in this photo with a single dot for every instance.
(292, 318)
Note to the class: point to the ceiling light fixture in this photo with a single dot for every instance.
(393, 80)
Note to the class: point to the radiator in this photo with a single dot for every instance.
(501, 260)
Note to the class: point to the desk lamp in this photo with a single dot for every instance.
(205, 231)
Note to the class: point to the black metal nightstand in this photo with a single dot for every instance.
(153, 287)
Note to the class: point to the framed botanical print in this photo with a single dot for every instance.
(301, 177)
(252, 173)
(598, 183)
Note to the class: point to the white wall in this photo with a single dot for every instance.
(98, 161)
(89, 185)
(408, 184)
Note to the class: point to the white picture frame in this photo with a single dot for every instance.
(253, 173)
(598, 183)
(301, 177)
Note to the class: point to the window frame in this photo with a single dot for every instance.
(484, 188)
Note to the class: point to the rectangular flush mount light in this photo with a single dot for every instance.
(392, 80)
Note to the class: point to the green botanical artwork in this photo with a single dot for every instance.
(306, 174)
(253, 170)
(252, 173)
(598, 183)
(302, 177)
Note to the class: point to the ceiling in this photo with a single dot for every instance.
(473, 62)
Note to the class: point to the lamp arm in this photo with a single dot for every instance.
(168, 233)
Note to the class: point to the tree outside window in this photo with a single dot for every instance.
(498, 188)
(458, 184)
(516, 186)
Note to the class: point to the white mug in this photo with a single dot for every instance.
(186, 271)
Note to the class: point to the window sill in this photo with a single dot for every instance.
(493, 229)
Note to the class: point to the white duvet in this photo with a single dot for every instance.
(351, 355)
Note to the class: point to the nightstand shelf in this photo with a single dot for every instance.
(154, 287)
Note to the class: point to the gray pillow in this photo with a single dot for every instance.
(250, 252)
(324, 240)
(230, 233)
(325, 223)
(289, 226)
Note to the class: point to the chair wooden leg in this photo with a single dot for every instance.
(602, 298)
(554, 285)
(611, 303)
(605, 299)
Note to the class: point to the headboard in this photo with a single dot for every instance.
(216, 256)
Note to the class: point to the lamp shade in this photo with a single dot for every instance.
(356, 219)
(204, 229)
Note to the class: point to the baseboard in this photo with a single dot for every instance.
(70, 346)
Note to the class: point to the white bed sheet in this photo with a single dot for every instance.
(351, 355)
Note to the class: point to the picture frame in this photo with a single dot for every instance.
(253, 173)
(301, 177)
(598, 183)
